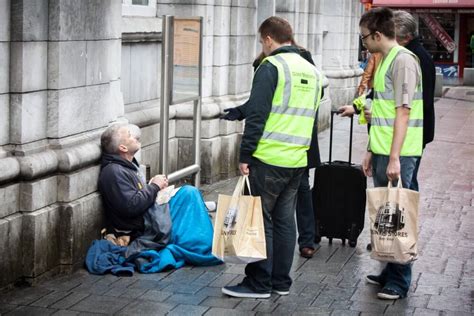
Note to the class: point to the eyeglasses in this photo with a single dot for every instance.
(363, 37)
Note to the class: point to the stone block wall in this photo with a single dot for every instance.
(340, 48)
(227, 75)
(70, 67)
(229, 30)
(11, 247)
(60, 70)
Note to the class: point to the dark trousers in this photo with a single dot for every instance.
(414, 180)
(305, 213)
(277, 188)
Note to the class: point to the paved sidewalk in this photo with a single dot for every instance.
(331, 283)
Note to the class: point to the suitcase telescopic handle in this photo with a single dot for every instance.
(330, 136)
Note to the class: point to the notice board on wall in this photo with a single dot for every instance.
(186, 73)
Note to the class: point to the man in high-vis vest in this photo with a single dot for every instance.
(284, 99)
(396, 134)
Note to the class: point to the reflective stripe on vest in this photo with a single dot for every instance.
(288, 129)
(379, 121)
(384, 111)
(389, 95)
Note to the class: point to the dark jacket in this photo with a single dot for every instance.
(428, 74)
(125, 194)
(257, 108)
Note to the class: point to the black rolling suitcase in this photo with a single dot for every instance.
(339, 197)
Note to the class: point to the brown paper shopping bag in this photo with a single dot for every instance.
(239, 234)
(393, 215)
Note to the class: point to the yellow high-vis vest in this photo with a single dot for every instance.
(384, 111)
(287, 133)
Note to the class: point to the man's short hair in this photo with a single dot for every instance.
(278, 29)
(110, 138)
(379, 20)
(405, 24)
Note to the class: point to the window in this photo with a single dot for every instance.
(436, 49)
(139, 7)
(140, 2)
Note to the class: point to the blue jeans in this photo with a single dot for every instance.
(414, 180)
(305, 213)
(396, 277)
(277, 188)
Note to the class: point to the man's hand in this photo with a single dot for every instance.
(393, 169)
(231, 114)
(346, 110)
(244, 169)
(367, 164)
(368, 115)
(160, 180)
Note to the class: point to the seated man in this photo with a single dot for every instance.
(162, 235)
(125, 193)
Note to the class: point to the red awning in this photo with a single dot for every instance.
(424, 3)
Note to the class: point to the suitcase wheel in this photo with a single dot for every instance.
(352, 243)
(353, 232)
(343, 241)
(330, 240)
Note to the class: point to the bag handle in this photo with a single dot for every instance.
(399, 184)
(233, 206)
(330, 136)
(247, 184)
(240, 186)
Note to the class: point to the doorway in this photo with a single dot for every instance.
(466, 52)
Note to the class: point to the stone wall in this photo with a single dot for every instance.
(70, 67)
(229, 30)
(340, 45)
(60, 70)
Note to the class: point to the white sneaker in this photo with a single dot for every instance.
(211, 206)
(241, 291)
(388, 294)
(282, 293)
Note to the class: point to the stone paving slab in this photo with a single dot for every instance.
(333, 281)
(460, 93)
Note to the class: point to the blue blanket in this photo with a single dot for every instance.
(191, 242)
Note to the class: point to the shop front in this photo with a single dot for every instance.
(445, 28)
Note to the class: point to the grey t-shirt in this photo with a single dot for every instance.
(406, 76)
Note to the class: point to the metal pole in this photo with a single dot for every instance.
(181, 173)
(197, 116)
(165, 93)
(197, 140)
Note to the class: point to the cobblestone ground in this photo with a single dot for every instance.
(331, 283)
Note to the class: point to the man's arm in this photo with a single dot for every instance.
(237, 113)
(125, 194)
(406, 75)
(259, 107)
(399, 133)
(368, 73)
